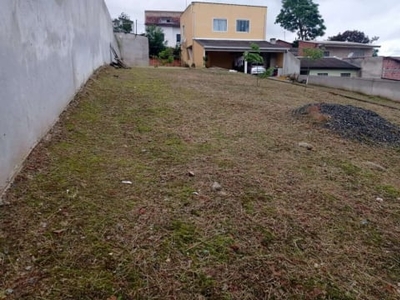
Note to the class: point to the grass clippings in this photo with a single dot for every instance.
(286, 223)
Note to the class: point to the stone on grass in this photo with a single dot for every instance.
(216, 187)
(306, 145)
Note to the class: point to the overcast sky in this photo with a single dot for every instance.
(374, 18)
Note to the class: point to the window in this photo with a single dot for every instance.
(303, 72)
(345, 75)
(178, 37)
(165, 20)
(220, 25)
(359, 53)
(242, 25)
(322, 74)
(326, 54)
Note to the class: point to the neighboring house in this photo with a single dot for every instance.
(339, 49)
(168, 21)
(281, 43)
(391, 68)
(378, 67)
(328, 66)
(216, 35)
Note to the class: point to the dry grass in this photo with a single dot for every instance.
(289, 223)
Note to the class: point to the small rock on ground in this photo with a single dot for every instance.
(306, 145)
(216, 187)
(355, 123)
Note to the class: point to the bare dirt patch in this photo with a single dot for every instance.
(120, 204)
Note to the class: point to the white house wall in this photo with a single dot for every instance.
(170, 35)
(48, 51)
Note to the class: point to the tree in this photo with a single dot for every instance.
(301, 16)
(253, 56)
(312, 54)
(155, 36)
(123, 23)
(353, 36)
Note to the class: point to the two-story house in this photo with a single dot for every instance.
(339, 49)
(168, 21)
(340, 59)
(216, 35)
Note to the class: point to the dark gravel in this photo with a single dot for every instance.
(356, 123)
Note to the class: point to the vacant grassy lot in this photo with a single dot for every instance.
(286, 223)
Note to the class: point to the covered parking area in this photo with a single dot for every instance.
(228, 54)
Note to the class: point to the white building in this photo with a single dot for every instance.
(168, 21)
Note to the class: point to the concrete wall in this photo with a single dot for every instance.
(134, 49)
(377, 87)
(371, 67)
(291, 64)
(49, 48)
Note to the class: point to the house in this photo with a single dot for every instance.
(339, 49)
(328, 66)
(391, 68)
(217, 35)
(380, 67)
(281, 43)
(168, 21)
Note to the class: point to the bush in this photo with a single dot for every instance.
(166, 56)
(267, 73)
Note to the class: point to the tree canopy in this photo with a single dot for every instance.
(123, 23)
(301, 16)
(353, 36)
(156, 40)
(313, 53)
(253, 56)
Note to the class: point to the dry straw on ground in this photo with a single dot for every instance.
(285, 223)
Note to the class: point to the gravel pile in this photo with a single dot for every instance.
(355, 123)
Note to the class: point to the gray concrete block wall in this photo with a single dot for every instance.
(49, 48)
(389, 89)
(371, 67)
(291, 64)
(134, 49)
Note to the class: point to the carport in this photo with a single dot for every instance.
(228, 54)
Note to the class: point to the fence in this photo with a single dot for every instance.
(389, 89)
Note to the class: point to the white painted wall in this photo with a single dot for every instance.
(170, 35)
(49, 48)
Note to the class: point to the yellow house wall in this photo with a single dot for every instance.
(205, 13)
(197, 23)
(187, 27)
(279, 60)
(198, 54)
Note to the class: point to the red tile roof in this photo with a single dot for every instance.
(162, 18)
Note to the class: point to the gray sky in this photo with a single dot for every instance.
(374, 18)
